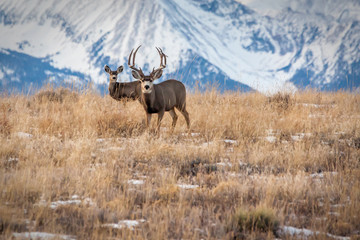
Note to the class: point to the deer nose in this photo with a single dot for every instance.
(147, 87)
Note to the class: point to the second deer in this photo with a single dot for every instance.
(162, 97)
(119, 90)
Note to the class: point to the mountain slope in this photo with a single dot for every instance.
(29, 68)
(207, 42)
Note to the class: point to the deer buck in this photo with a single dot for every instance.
(162, 97)
(118, 91)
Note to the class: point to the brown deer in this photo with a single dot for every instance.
(118, 91)
(162, 97)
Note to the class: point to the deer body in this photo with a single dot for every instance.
(162, 97)
(121, 90)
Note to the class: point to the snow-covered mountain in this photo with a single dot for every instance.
(229, 44)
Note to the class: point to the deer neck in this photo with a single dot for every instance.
(135, 89)
(148, 99)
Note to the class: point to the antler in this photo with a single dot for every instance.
(133, 64)
(162, 56)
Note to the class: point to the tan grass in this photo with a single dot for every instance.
(72, 163)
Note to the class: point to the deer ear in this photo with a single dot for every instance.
(136, 74)
(120, 69)
(157, 74)
(107, 69)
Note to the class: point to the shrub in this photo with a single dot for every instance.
(260, 219)
(58, 95)
(281, 101)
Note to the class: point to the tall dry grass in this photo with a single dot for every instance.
(75, 163)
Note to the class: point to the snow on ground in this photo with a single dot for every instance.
(315, 105)
(270, 139)
(187, 186)
(75, 200)
(230, 141)
(321, 175)
(41, 235)
(23, 135)
(303, 233)
(131, 224)
(224, 164)
(136, 182)
(13, 159)
(272, 136)
(300, 136)
(57, 204)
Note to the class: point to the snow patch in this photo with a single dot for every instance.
(224, 164)
(297, 231)
(42, 235)
(306, 233)
(131, 224)
(136, 182)
(207, 144)
(187, 186)
(9, 71)
(230, 141)
(321, 174)
(4, 51)
(300, 136)
(23, 135)
(73, 201)
(57, 204)
(316, 105)
(13, 159)
(193, 134)
(270, 139)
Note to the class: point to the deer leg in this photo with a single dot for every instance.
(186, 116)
(174, 117)
(160, 116)
(148, 120)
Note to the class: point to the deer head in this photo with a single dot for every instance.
(113, 74)
(147, 80)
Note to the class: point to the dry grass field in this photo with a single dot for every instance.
(81, 166)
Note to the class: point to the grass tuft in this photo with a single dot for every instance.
(259, 219)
